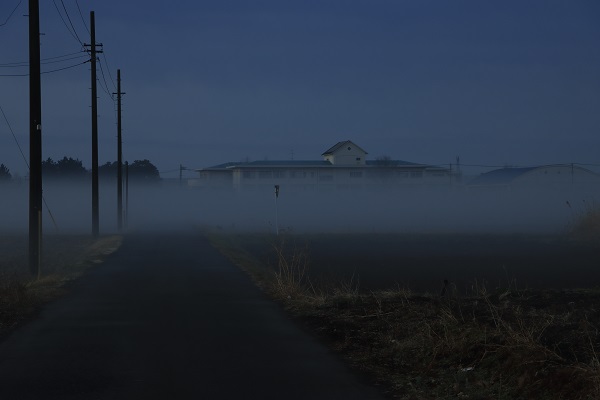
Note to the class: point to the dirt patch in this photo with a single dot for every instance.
(65, 258)
(499, 342)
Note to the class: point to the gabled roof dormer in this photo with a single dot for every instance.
(345, 153)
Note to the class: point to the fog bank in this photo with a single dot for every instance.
(419, 210)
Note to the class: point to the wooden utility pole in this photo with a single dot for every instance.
(95, 198)
(119, 157)
(126, 194)
(35, 141)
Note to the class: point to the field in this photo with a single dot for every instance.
(421, 263)
(443, 316)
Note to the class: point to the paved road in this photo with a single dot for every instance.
(167, 317)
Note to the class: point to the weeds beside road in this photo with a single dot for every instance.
(65, 257)
(503, 343)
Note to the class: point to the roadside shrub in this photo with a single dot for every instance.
(586, 224)
(291, 277)
(13, 291)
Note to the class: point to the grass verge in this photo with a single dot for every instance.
(66, 257)
(500, 344)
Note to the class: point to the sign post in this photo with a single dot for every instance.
(276, 216)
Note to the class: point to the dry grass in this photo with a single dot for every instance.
(501, 344)
(586, 223)
(65, 258)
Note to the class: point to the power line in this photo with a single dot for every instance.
(46, 62)
(14, 137)
(62, 69)
(49, 72)
(26, 63)
(11, 13)
(109, 69)
(70, 22)
(66, 59)
(81, 15)
(26, 163)
(73, 33)
(105, 87)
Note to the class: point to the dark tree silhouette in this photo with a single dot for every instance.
(70, 168)
(49, 168)
(4, 173)
(143, 170)
(108, 170)
(67, 168)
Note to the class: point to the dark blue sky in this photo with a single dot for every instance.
(505, 82)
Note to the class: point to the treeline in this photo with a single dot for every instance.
(72, 169)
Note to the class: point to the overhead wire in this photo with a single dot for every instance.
(81, 15)
(62, 69)
(48, 72)
(66, 59)
(27, 163)
(105, 87)
(11, 13)
(73, 34)
(71, 22)
(109, 69)
(14, 137)
(68, 23)
(26, 63)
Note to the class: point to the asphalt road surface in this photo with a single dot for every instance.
(167, 317)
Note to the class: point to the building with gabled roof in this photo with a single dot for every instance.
(344, 166)
(557, 176)
(345, 153)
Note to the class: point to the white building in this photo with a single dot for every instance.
(344, 166)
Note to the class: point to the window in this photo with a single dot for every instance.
(357, 158)
(248, 174)
(297, 174)
(265, 174)
(326, 178)
(278, 174)
(356, 174)
(417, 174)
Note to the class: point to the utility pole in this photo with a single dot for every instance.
(35, 141)
(126, 194)
(119, 156)
(181, 168)
(95, 199)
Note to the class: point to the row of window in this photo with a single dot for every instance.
(328, 177)
(278, 174)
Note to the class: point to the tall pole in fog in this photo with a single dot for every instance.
(35, 141)
(119, 157)
(126, 194)
(95, 200)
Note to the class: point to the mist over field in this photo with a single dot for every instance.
(170, 206)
